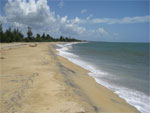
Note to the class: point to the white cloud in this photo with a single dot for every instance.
(76, 20)
(125, 20)
(89, 17)
(83, 11)
(135, 19)
(3, 19)
(37, 15)
(99, 32)
(61, 4)
(72, 29)
(102, 31)
(64, 19)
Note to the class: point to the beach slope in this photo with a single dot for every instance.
(34, 79)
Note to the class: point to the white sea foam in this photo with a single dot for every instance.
(133, 97)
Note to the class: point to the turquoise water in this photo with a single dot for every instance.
(121, 67)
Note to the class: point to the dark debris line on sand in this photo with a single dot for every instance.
(69, 81)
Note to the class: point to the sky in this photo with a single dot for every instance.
(95, 20)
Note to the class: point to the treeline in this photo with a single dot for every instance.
(16, 35)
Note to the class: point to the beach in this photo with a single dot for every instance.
(35, 79)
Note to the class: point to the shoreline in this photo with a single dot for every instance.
(36, 79)
(64, 51)
(90, 73)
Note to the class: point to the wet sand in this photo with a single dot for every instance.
(34, 79)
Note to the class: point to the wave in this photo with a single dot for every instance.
(133, 97)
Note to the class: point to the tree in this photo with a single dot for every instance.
(16, 36)
(8, 35)
(1, 32)
(43, 37)
(29, 33)
(21, 36)
(61, 38)
(49, 38)
(38, 37)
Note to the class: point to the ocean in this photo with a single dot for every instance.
(121, 67)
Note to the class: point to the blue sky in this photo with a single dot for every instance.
(119, 21)
(102, 9)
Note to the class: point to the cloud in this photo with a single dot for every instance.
(76, 20)
(125, 20)
(64, 19)
(89, 17)
(37, 15)
(3, 19)
(102, 31)
(98, 32)
(61, 4)
(72, 29)
(83, 11)
(32, 13)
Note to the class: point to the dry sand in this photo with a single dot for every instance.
(34, 79)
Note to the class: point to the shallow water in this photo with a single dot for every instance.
(121, 67)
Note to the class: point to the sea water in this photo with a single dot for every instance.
(121, 67)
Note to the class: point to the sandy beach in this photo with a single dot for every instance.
(34, 79)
